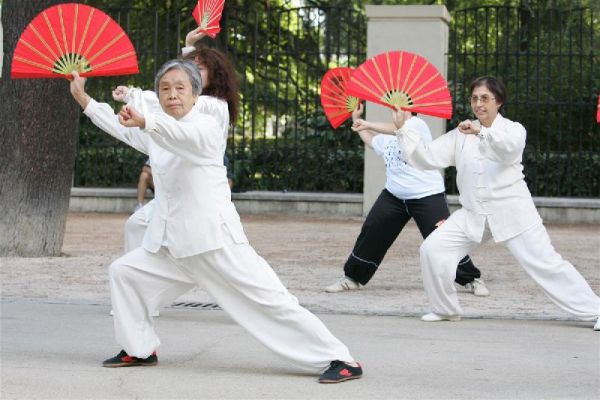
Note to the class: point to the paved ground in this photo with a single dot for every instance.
(53, 351)
(516, 344)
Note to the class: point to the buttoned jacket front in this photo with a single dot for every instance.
(489, 175)
(192, 196)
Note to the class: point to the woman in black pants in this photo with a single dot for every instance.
(408, 193)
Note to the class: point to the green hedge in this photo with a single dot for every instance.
(308, 156)
(556, 174)
(313, 157)
(103, 161)
(573, 174)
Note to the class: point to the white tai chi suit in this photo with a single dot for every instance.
(146, 100)
(496, 203)
(194, 237)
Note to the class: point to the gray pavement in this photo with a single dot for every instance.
(53, 351)
(515, 344)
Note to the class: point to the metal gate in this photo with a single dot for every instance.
(548, 60)
(281, 140)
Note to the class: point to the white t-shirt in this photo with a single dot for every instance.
(402, 180)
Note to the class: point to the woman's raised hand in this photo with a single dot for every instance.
(399, 117)
(129, 117)
(357, 113)
(360, 125)
(77, 87)
(120, 93)
(193, 36)
(468, 127)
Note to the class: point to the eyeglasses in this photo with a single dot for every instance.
(484, 99)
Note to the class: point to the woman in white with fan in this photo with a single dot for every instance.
(408, 194)
(496, 203)
(195, 237)
(219, 98)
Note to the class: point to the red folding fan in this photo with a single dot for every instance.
(598, 112)
(337, 103)
(208, 14)
(73, 37)
(405, 80)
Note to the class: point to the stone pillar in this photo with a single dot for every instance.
(419, 29)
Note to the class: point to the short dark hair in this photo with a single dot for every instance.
(494, 85)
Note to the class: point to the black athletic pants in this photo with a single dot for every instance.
(383, 225)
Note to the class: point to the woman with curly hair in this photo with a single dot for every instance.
(219, 78)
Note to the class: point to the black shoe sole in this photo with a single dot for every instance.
(130, 364)
(347, 378)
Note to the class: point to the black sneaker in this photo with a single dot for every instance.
(124, 360)
(340, 371)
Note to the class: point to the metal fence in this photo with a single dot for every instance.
(282, 140)
(547, 58)
(101, 160)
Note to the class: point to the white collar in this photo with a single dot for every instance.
(189, 116)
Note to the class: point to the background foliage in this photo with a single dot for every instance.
(546, 52)
(548, 58)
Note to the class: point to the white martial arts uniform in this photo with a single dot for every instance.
(135, 227)
(146, 100)
(496, 203)
(194, 237)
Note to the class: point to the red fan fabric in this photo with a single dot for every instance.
(73, 37)
(403, 79)
(208, 15)
(337, 103)
(598, 111)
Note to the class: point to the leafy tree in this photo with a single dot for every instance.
(281, 52)
(547, 56)
(282, 55)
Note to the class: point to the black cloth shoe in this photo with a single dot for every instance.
(124, 360)
(340, 371)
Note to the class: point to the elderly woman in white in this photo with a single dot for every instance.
(496, 203)
(195, 237)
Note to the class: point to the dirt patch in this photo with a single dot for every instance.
(307, 254)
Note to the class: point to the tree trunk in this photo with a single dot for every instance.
(38, 134)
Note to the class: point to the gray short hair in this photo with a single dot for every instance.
(187, 66)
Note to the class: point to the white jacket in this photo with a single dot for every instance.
(192, 196)
(146, 101)
(489, 175)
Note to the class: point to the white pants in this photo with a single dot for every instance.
(559, 279)
(242, 283)
(135, 227)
